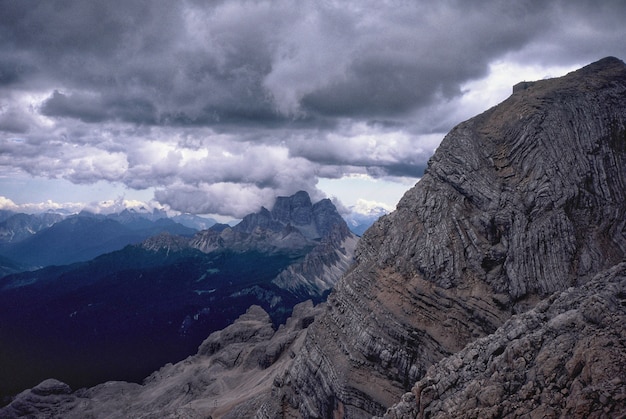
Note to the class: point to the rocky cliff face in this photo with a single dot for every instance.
(524, 200)
(564, 358)
(323, 266)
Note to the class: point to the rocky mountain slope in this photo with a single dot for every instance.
(564, 358)
(99, 320)
(15, 227)
(230, 376)
(293, 225)
(504, 263)
(524, 200)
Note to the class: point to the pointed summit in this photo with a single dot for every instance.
(314, 220)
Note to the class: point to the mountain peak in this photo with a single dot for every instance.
(522, 201)
(606, 63)
(313, 220)
(295, 209)
(590, 77)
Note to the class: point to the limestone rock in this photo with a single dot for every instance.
(564, 358)
(323, 266)
(524, 200)
(313, 220)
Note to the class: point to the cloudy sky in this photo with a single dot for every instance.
(216, 107)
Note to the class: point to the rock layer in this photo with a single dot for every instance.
(564, 358)
(524, 200)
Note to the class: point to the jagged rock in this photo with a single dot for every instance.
(315, 221)
(231, 376)
(323, 266)
(524, 200)
(166, 242)
(564, 358)
(253, 326)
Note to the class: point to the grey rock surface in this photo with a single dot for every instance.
(564, 358)
(522, 201)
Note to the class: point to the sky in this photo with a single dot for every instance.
(217, 107)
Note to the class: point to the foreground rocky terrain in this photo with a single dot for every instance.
(497, 285)
(564, 358)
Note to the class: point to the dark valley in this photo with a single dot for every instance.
(124, 314)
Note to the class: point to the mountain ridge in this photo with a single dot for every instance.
(95, 320)
(501, 218)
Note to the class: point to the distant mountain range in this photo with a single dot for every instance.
(359, 222)
(124, 313)
(33, 241)
(79, 238)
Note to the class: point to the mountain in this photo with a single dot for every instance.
(523, 201)
(15, 227)
(495, 289)
(85, 236)
(313, 221)
(128, 312)
(194, 221)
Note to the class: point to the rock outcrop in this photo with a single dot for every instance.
(230, 377)
(323, 266)
(564, 358)
(524, 200)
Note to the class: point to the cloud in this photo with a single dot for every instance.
(365, 207)
(39, 207)
(239, 101)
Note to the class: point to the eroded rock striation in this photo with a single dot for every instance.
(564, 358)
(522, 201)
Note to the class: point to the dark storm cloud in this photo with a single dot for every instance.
(261, 97)
(254, 61)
